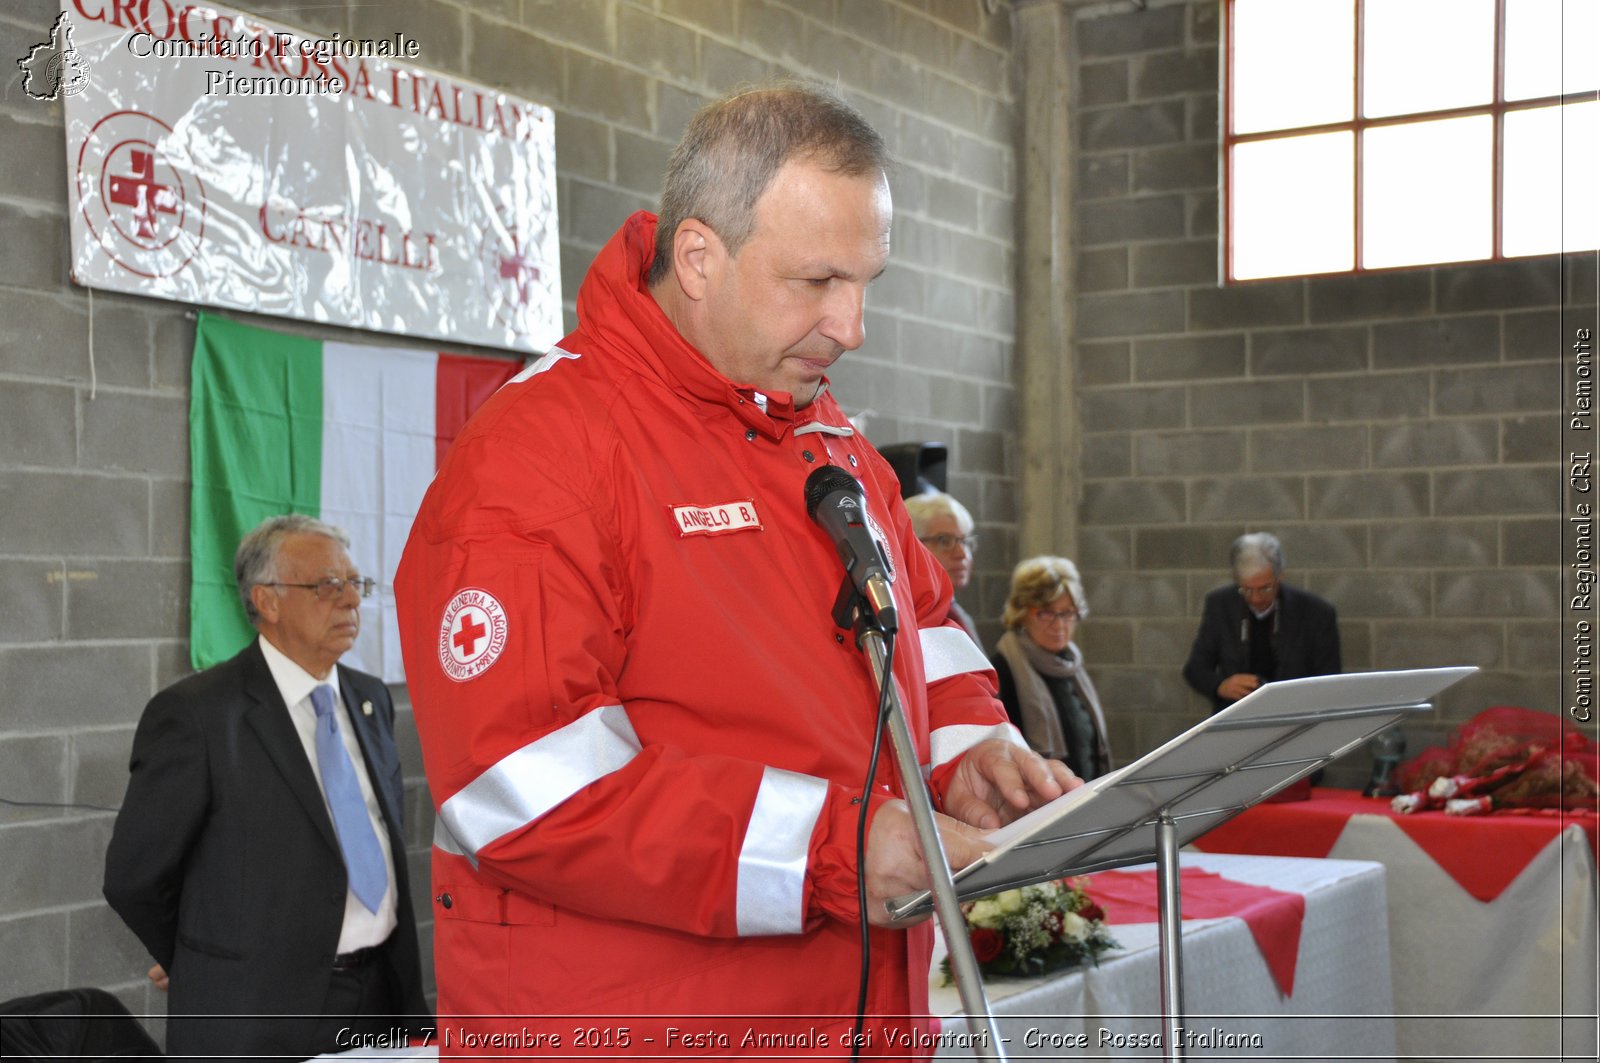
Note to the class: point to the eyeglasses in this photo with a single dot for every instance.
(1049, 616)
(949, 542)
(330, 588)
(1258, 592)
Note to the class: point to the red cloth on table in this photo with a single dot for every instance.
(1273, 916)
(1482, 853)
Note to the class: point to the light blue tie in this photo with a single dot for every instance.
(363, 856)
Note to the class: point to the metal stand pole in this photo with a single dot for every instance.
(962, 962)
(1169, 901)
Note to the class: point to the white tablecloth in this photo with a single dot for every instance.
(1340, 1009)
(1489, 981)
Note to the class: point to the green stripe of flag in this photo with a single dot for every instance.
(255, 445)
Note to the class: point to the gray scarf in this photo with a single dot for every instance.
(1041, 719)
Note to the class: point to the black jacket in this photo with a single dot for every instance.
(1307, 640)
(225, 864)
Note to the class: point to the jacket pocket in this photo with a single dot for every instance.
(473, 903)
(207, 948)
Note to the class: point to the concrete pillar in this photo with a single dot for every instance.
(1049, 440)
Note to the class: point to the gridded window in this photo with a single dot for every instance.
(1376, 134)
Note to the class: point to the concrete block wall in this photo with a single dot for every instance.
(1400, 431)
(93, 442)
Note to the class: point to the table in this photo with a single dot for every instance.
(1342, 1001)
(1492, 919)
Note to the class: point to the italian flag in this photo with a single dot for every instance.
(349, 434)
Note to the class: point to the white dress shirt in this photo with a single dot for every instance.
(361, 928)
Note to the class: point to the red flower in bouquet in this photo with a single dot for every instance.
(1035, 929)
(987, 944)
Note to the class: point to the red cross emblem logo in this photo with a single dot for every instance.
(469, 629)
(520, 272)
(472, 634)
(141, 191)
(513, 264)
(144, 204)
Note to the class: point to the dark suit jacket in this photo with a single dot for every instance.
(225, 864)
(1307, 640)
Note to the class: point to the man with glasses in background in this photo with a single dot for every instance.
(260, 853)
(1260, 629)
(945, 527)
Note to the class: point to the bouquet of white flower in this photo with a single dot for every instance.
(1036, 929)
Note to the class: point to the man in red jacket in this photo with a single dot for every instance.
(645, 736)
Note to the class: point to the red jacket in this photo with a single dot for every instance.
(642, 730)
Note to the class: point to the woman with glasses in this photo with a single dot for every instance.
(945, 528)
(1043, 684)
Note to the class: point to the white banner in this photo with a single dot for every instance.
(216, 158)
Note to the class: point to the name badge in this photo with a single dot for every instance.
(714, 520)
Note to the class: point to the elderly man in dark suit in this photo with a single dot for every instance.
(259, 854)
(1260, 629)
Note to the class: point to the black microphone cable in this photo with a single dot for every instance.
(861, 846)
(867, 569)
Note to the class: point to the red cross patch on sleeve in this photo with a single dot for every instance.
(472, 634)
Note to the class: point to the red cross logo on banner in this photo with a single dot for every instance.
(520, 272)
(513, 266)
(472, 634)
(143, 193)
(140, 195)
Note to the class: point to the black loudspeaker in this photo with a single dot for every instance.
(920, 466)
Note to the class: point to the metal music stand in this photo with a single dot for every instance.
(1262, 743)
(852, 610)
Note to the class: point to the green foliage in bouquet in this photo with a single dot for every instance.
(1036, 929)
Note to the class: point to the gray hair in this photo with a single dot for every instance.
(256, 560)
(930, 505)
(1037, 582)
(734, 146)
(1256, 552)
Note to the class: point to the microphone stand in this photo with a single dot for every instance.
(851, 610)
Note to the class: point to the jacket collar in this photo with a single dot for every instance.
(616, 308)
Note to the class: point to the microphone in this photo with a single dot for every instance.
(835, 502)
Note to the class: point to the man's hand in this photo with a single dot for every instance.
(997, 781)
(894, 858)
(158, 977)
(1237, 686)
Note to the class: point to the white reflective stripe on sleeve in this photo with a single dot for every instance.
(541, 775)
(444, 841)
(948, 651)
(772, 861)
(948, 743)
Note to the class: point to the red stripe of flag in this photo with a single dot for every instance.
(462, 383)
